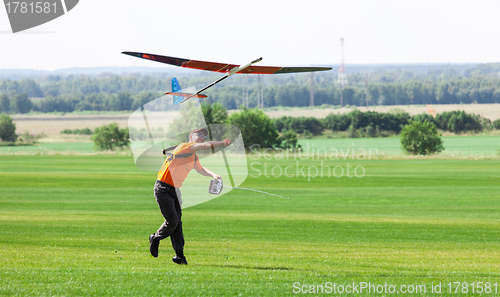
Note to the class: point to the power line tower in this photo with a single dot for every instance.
(342, 74)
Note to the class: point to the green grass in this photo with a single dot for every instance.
(79, 225)
(46, 148)
(465, 145)
(458, 145)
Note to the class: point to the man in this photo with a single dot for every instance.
(170, 178)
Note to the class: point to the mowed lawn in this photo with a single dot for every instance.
(455, 146)
(79, 225)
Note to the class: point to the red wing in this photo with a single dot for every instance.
(221, 67)
(210, 66)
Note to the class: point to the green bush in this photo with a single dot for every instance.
(84, 131)
(421, 138)
(307, 134)
(299, 124)
(287, 140)
(337, 122)
(361, 120)
(496, 124)
(26, 138)
(423, 117)
(7, 128)
(109, 137)
(458, 121)
(256, 128)
(370, 131)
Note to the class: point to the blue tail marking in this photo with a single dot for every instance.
(176, 87)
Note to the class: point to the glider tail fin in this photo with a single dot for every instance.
(176, 88)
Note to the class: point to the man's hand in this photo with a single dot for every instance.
(216, 176)
(227, 142)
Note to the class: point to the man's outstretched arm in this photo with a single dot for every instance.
(206, 172)
(210, 145)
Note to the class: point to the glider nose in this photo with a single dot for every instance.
(256, 60)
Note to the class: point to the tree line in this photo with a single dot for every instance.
(125, 93)
(372, 123)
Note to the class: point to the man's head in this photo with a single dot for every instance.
(198, 135)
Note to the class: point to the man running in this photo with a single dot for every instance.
(170, 178)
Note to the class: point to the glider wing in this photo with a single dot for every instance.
(222, 67)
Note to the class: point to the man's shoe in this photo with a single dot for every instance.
(179, 260)
(153, 245)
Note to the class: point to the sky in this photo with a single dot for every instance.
(283, 32)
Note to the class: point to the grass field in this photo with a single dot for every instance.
(455, 146)
(79, 225)
(50, 148)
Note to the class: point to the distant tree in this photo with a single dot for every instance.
(89, 86)
(51, 104)
(373, 94)
(348, 96)
(121, 102)
(30, 87)
(53, 78)
(421, 138)
(229, 96)
(143, 98)
(386, 94)
(256, 128)
(4, 103)
(7, 128)
(292, 95)
(21, 103)
(109, 137)
(93, 101)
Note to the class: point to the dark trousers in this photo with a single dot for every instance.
(168, 200)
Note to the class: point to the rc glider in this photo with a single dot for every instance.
(228, 69)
